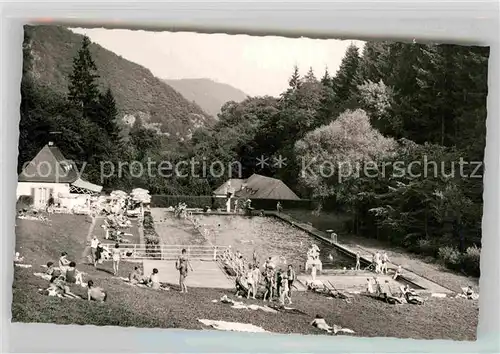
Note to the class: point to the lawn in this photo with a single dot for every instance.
(129, 306)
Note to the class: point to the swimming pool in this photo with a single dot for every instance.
(269, 236)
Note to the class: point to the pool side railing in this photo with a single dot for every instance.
(168, 252)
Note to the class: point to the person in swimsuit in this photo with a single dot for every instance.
(154, 280)
(73, 276)
(285, 290)
(116, 258)
(251, 282)
(358, 263)
(93, 249)
(95, 293)
(52, 271)
(290, 274)
(182, 265)
(385, 260)
(269, 279)
(63, 262)
(254, 256)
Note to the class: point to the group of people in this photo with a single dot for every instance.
(407, 295)
(380, 262)
(277, 283)
(66, 274)
(97, 250)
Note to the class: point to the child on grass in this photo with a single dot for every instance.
(95, 293)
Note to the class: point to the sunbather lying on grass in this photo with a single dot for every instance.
(59, 288)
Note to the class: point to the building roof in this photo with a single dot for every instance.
(259, 187)
(49, 166)
(80, 183)
(232, 185)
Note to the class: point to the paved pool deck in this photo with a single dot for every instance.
(205, 274)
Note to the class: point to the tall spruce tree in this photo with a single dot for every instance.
(294, 81)
(108, 115)
(83, 88)
(347, 78)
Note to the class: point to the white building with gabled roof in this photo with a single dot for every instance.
(50, 173)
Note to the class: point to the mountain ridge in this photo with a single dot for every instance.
(207, 93)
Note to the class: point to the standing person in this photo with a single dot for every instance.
(93, 249)
(277, 281)
(377, 262)
(358, 264)
(385, 260)
(182, 265)
(256, 280)
(290, 274)
(369, 286)
(279, 208)
(285, 291)
(50, 203)
(269, 278)
(313, 271)
(250, 281)
(116, 258)
(98, 253)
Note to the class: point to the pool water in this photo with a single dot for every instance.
(269, 237)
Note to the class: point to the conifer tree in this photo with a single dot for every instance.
(294, 81)
(108, 115)
(347, 80)
(83, 88)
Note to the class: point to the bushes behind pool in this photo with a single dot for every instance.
(468, 261)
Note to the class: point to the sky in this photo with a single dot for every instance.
(256, 65)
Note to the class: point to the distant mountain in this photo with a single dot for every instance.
(138, 93)
(208, 94)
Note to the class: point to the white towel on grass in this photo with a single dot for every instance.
(438, 295)
(43, 276)
(233, 326)
(22, 265)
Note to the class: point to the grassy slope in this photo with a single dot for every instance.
(424, 267)
(136, 90)
(129, 306)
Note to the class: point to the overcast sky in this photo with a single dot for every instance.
(256, 65)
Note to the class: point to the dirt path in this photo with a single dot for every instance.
(86, 251)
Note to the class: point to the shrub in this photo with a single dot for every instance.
(24, 201)
(451, 257)
(426, 247)
(471, 261)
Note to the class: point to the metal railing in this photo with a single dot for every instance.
(168, 252)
